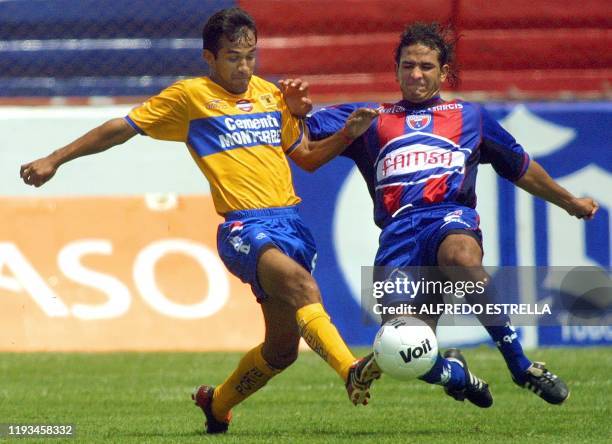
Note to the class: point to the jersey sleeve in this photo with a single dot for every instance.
(327, 121)
(164, 116)
(292, 128)
(501, 150)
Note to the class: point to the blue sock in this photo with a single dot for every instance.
(503, 334)
(446, 373)
(508, 344)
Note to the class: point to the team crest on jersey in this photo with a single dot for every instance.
(244, 105)
(267, 100)
(216, 104)
(418, 121)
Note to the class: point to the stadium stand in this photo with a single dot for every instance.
(518, 49)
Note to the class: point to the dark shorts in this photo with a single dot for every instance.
(245, 234)
(413, 240)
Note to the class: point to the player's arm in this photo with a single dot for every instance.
(310, 155)
(538, 182)
(109, 134)
(510, 161)
(333, 133)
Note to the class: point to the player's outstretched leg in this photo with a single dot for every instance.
(461, 255)
(452, 373)
(360, 377)
(543, 383)
(532, 376)
(322, 337)
(505, 337)
(473, 389)
(285, 280)
(203, 397)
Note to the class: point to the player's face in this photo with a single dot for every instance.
(419, 73)
(233, 66)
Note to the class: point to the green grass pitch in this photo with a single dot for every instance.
(144, 397)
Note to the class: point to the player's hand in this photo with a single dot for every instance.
(583, 208)
(359, 121)
(295, 92)
(38, 172)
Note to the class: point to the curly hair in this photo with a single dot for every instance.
(434, 36)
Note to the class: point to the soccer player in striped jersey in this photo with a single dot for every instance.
(419, 158)
(239, 131)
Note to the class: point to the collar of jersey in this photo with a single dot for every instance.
(223, 93)
(422, 105)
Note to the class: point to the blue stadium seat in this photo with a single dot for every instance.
(65, 19)
(100, 47)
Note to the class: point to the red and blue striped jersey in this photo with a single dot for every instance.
(417, 155)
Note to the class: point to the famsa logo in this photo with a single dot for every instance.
(418, 157)
(418, 121)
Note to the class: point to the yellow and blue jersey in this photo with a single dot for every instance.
(240, 142)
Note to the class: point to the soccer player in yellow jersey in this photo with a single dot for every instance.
(239, 131)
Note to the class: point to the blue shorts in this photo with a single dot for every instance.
(244, 234)
(413, 239)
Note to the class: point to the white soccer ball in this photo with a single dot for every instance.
(405, 348)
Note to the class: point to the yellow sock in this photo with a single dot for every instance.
(323, 337)
(252, 373)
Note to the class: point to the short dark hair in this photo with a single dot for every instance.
(231, 23)
(434, 36)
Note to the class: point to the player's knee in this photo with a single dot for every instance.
(463, 258)
(462, 265)
(302, 289)
(459, 254)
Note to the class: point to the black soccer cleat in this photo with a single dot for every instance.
(203, 396)
(476, 390)
(545, 384)
(361, 375)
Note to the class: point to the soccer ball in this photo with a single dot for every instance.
(405, 348)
